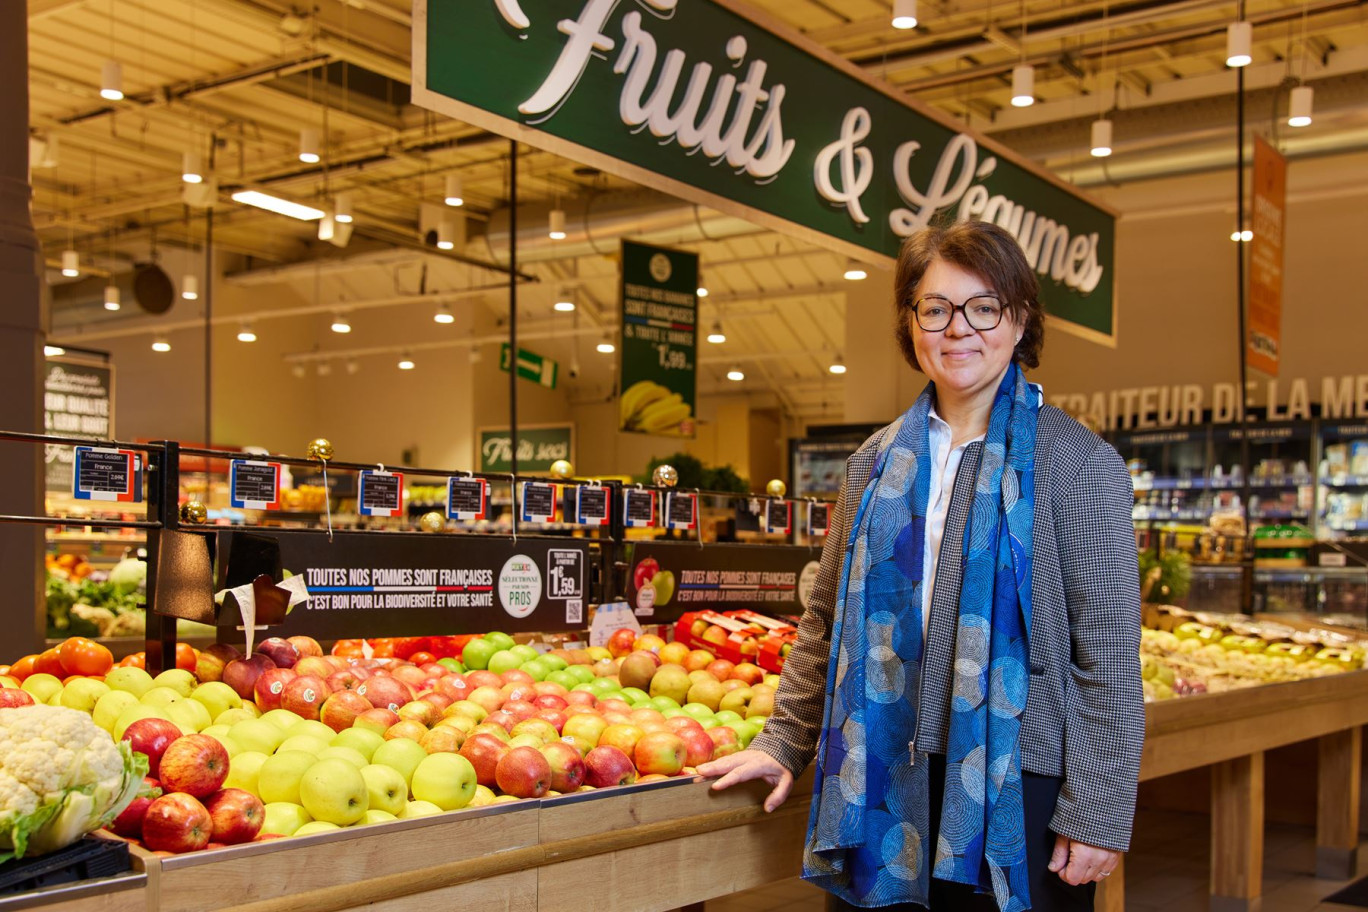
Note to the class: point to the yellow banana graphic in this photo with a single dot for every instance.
(664, 415)
(638, 396)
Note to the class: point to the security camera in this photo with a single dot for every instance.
(574, 372)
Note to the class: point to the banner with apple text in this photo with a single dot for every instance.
(666, 580)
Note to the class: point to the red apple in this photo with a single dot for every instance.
(484, 752)
(420, 711)
(549, 688)
(551, 702)
(438, 700)
(681, 724)
(337, 662)
(411, 675)
(342, 708)
(715, 634)
(177, 822)
(643, 573)
(614, 705)
(749, 672)
(194, 764)
(516, 676)
(280, 651)
(504, 719)
(237, 815)
(443, 739)
(271, 686)
(523, 772)
(385, 691)
(304, 696)
(379, 719)
(346, 679)
(698, 747)
(720, 669)
(13, 696)
(620, 642)
(454, 687)
(241, 674)
(489, 698)
(623, 737)
(406, 728)
(151, 737)
(553, 716)
(605, 766)
(519, 709)
(433, 670)
(581, 698)
(306, 646)
(482, 678)
(724, 741)
(212, 660)
(698, 660)
(519, 691)
(567, 766)
(643, 715)
(129, 823)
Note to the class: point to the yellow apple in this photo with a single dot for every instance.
(387, 788)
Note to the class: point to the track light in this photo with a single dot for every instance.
(112, 300)
(606, 346)
(565, 301)
(1023, 85)
(904, 14)
(1299, 106)
(245, 332)
(455, 193)
(716, 336)
(71, 264)
(736, 375)
(443, 314)
(342, 208)
(406, 362)
(557, 225)
(1101, 138)
(446, 233)
(111, 81)
(1239, 42)
(340, 323)
(855, 271)
(308, 146)
(837, 366)
(192, 170)
(161, 344)
(190, 287)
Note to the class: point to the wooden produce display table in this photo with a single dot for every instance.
(124, 893)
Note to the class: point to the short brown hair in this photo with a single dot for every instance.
(987, 251)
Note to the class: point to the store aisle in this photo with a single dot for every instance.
(1165, 872)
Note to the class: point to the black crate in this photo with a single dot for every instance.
(85, 859)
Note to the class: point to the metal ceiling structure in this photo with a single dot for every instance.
(235, 81)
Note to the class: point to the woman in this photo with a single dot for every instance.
(967, 672)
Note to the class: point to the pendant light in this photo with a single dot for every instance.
(702, 291)
(246, 333)
(190, 287)
(161, 344)
(340, 323)
(716, 336)
(446, 233)
(111, 81)
(837, 365)
(112, 299)
(556, 225)
(904, 14)
(192, 169)
(342, 208)
(443, 315)
(71, 263)
(1239, 42)
(1101, 145)
(605, 346)
(455, 193)
(406, 362)
(855, 271)
(1023, 85)
(565, 301)
(736, 375)
(308, 146)
(1299, 106)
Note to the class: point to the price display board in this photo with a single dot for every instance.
(254, 485)
(681, 511)
(779, 516)
(107, 474)
(592, 504)
(467, 498)
(538, 502)
(381, 494)
(638, 508)
(819, 518)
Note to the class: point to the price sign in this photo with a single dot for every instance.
(565, 581)
(638, 508)
(779, 516)
(819, 518)
(108, 474)
(591, 505)
(467, 498)
(538, 502)
(681, 511)
(381, 494)
(254, 485)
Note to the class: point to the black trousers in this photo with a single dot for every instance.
(1048, 892)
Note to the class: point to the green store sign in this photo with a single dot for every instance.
(659, 340)
(696, 99)
(538, 447)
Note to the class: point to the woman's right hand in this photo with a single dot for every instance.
(746, 765)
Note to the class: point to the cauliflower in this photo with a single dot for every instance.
(61, 776)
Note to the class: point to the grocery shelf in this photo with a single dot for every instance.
(1223, 484)
(1345, 481)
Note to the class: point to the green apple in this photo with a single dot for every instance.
(109, 707)
(499, 639)
(451, 665)
(419, 808)
(244, 771)
(505, 660)
(602, 687)
(316, 826)
(283, 818)
(83, 694)
(537, 669)
(634, 694)
(388, 790)
(282, 718)
(664, 583)
(663, 702)
(350, 754)
(311, 727)
(583, 673)
(278, 778)
(772, 680)
(55, 699)
(129, 679)
(671, 712)
(563, 677)
(133, 714)
(178, 679)
(162, 696)
(307, 743)
(697, 710)
(707, 723)
(375, 815)
(556, 663)
(527, 740)
(360, 740)
(217, 697)
(333, 790)
(477, 653)
(401, 754)
(257, 735)
(190, 715)
(232, 716)
(526, 652)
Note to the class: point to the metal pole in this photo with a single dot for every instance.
(1247, 585)
(209, 327)
(513, 313)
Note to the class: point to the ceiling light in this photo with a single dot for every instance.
(445, 236)
(192, 170)
(71, 263)
(1239, 40)
(406, 362)
(53, 351)
(1023, 85)
(324, 368)
(111, 298)
(308, 146)
(606, 346)
(736, 374)
(245, 333)
(455, 193)
(1101, 138)
(1246, 236)
(353, 366)
(702, 291)
(443, 314)
(190, 287)
(904, 14)
(342, 208)
(557, 225)
(837, 366)
(340, 323)
(1299, 107)
(565, 301)
(278, 205)
(855, 271)
(111, 81)
(161, 344)
(298, 370)
(715, 335)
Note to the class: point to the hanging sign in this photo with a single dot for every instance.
(706, 103)
(107, 474)
(591, 504)
(467, 498)
(538, 447)
(254, 485)
(779, 516)
(1266, 257)
(382, 493)
(538, 502)
(531, 366)
(659, 340)
(638, 508)
(681, 511)
(818, 518)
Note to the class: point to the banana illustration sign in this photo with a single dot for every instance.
(659, 344)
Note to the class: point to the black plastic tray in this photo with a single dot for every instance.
(88, 857)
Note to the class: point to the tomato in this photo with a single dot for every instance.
(80, 656)
(49, 663)
(348, 649)
(24, 667)
(137, 660)
(186, 656)
(422, 658)
(382, 648)
(407, 646)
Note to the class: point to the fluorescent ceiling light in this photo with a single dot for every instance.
(277, 205)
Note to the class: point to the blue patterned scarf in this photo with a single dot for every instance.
(869, 838)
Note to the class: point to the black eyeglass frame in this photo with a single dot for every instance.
(962, 308)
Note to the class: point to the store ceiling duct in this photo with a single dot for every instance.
(146, 289)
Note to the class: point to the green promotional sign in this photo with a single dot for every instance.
(538, 447)
(531, 366)
(659, 345)
(694, 98)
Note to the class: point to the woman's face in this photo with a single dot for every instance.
(961, 359)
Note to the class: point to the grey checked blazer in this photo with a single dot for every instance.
(1085, 715)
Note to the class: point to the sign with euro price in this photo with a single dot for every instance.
(107, 474)
(638, 508)
(681, 511)
(382, 493)
(467, 498)
(254, 485)
(659, 341)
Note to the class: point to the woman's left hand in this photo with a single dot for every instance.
(1078, 863)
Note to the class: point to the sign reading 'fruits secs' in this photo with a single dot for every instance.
(695, 98)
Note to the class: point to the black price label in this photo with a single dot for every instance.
(255, 485)
(107, 474)
(539, 502)
(638, 508)
(680, 511)
(778, 516)
(819, 518)
(591, 504)
(382, 493)
(467, 498)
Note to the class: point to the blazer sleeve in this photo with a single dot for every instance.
(792, 731)
(1105, 713)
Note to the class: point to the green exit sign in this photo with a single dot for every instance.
(531, 366)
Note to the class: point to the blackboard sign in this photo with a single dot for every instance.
(467, 498)
(254, 485)
(638, 508)
(681, 511)
(382, 493)
(78, 401)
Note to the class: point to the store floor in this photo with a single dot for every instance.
(1166, 871)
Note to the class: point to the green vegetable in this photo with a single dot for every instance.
(128, 575)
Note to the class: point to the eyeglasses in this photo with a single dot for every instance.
(934, 313)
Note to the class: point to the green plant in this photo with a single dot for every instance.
(694, 474)
(1164, 577)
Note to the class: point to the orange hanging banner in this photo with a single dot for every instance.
(1266, 258)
